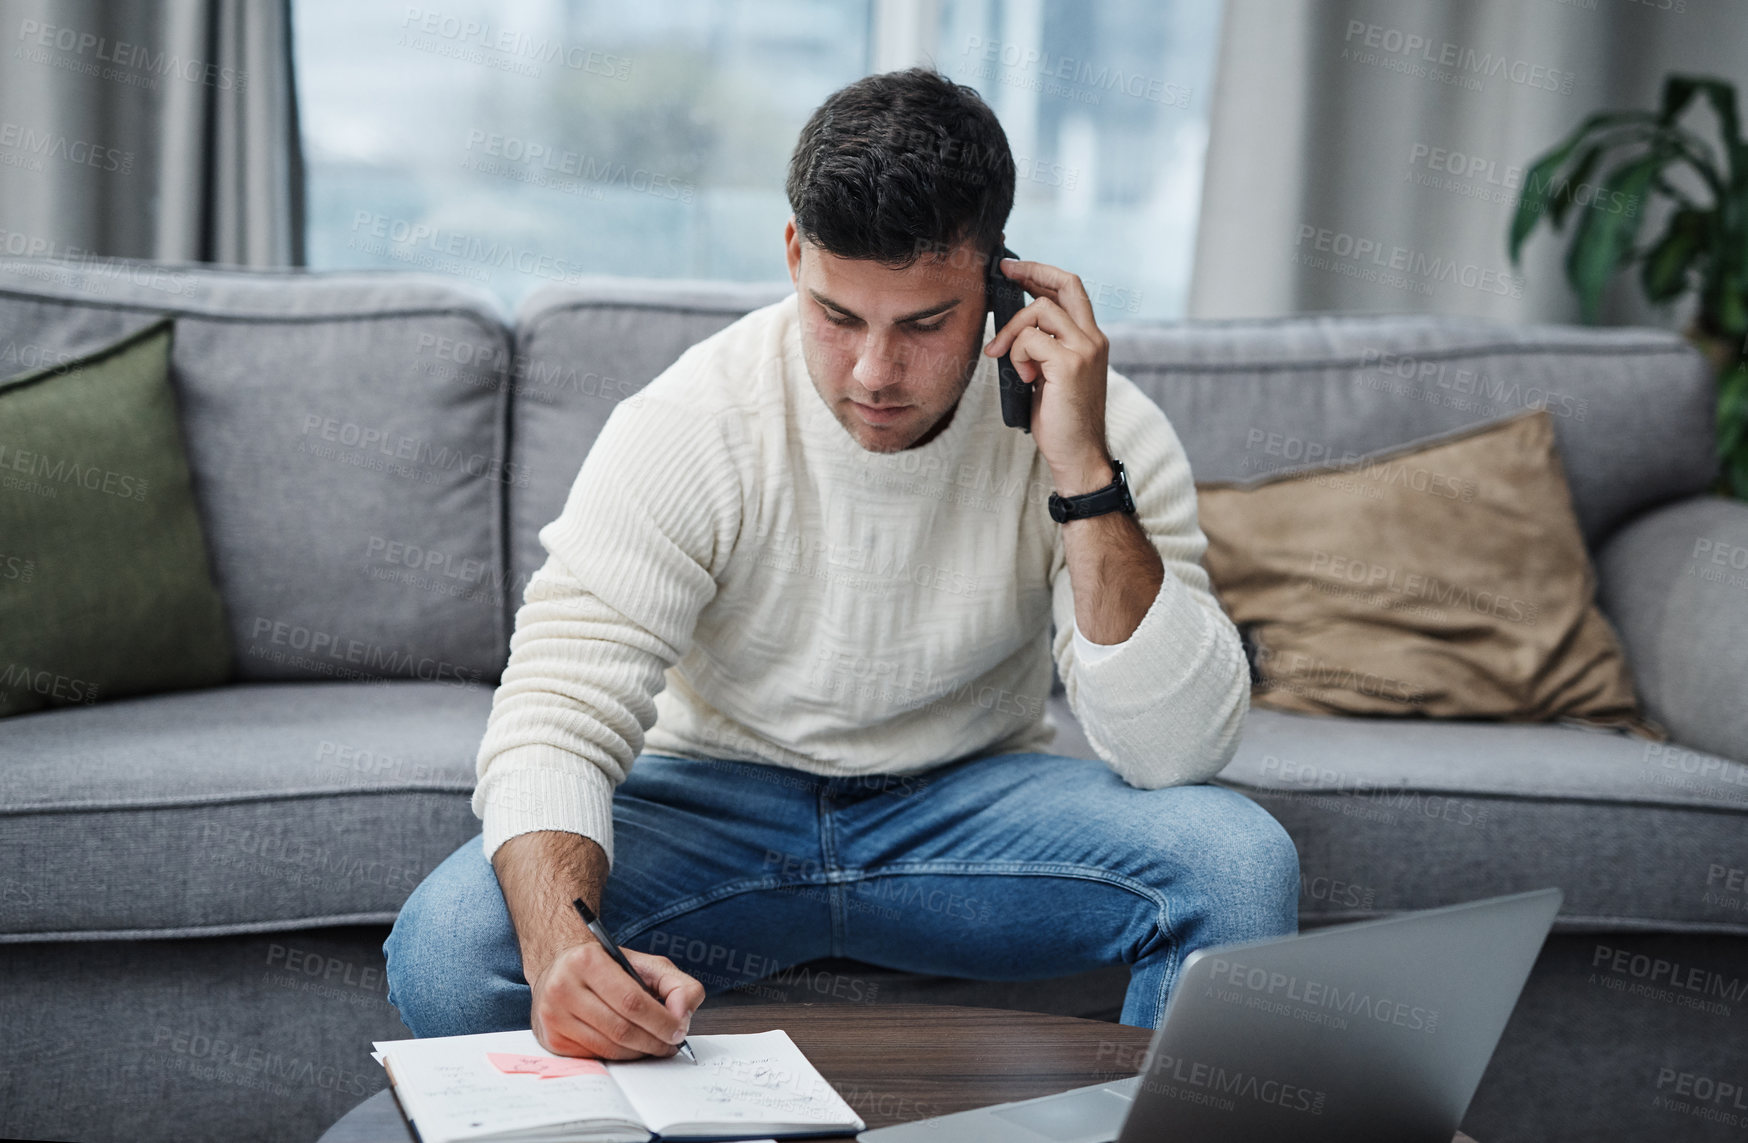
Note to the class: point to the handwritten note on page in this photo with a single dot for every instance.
(452, 1092)
(761, 1078)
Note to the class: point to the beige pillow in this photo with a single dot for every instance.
(1442, 579)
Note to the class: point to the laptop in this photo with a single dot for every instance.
(1375, 1030)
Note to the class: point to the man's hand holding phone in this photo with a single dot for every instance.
(1058, 348)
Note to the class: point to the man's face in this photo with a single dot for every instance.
(889, 351)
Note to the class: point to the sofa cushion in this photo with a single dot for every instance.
(252, 807)
(1675, 582)
(1393, 815)
(95, 482)
(1632, 408)
(580, 350)
(345, 433)
(270, 806)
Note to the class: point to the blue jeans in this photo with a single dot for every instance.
(1006, 867)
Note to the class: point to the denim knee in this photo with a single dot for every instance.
(1262, 862)
(453, 964)
(399, 953)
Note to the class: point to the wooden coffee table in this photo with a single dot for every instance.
(893, 1063)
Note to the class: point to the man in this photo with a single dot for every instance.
(791, 648)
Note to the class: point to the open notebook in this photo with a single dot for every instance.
(490, 1087)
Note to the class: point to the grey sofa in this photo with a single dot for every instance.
(194, 886)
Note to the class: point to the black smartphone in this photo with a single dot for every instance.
(1005, 298)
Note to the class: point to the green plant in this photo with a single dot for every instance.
(1703, 247)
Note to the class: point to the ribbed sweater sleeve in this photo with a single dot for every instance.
(650, 519)
(1166, 706)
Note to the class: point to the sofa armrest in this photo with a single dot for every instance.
(1675, 584)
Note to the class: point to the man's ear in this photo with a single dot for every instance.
(792, 251)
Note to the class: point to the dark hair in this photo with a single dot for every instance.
(897, 165)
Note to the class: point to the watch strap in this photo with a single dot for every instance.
(1113, 497)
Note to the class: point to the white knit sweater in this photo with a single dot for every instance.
(734, 577)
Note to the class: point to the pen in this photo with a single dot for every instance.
(595, 927)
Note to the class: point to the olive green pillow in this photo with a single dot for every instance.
(105, 586)
(1446, 578)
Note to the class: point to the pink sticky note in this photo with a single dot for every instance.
(546, 1067)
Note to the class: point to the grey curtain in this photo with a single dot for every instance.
(1363, 154)
(162, 129)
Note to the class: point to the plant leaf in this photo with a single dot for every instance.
(1532, 199)
(1732, 429)
(1732, 316)
(1563, 197)
(1679, 90)
(1605, 237)
(1664, 272)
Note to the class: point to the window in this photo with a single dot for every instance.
(516, 144)
(1105, 109)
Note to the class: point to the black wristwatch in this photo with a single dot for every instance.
(1113, 497)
